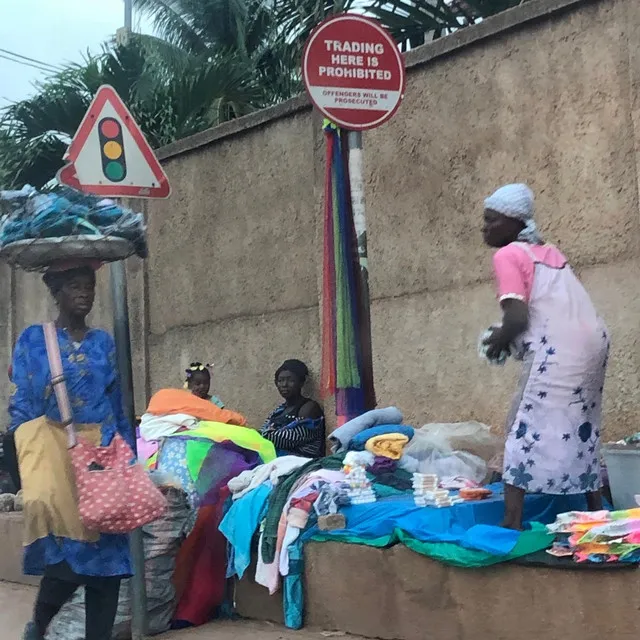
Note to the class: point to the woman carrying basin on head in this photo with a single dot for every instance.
(553, 429)
(58, 547)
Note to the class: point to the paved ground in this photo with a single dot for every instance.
(16, 602)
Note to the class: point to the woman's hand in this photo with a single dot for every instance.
(515, 321)
(497, 342)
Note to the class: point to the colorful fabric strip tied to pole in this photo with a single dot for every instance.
(343, 331)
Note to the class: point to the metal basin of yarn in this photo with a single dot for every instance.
(37, 255)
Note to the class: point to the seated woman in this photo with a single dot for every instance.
(199, 382)
(296, 427)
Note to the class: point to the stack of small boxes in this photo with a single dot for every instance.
(359, 487)
(427, 494)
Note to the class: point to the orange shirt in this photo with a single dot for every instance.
(172, 401)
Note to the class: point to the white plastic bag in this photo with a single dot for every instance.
(450, 450)
(473, 437)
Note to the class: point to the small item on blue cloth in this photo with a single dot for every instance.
(474, 493)
(332, 522)
(359, 442)
(327, 502)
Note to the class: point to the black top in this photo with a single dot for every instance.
(292, 435)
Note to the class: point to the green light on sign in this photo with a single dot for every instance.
(114, 171)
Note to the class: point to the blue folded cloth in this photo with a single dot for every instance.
(341, 437)
(490, 539)
(359, 441)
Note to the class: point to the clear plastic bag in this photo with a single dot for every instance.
(454, 450)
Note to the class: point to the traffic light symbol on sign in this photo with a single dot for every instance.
(114, 165)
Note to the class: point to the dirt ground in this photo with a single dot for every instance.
(16, 602)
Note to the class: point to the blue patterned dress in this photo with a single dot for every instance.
(94, 393)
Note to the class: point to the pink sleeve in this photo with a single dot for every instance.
(514, 273)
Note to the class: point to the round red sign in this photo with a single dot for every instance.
(354, 72)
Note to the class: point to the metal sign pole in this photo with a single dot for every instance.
(128, 15)
(356, 181)
(139, 615)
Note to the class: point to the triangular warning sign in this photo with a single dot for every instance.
(109, 155)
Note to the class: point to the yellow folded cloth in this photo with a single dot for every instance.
(389, 445)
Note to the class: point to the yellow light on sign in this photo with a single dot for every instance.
(112, 150)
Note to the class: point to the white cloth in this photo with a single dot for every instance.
(156, 427)
(359, 459)
(512, 200)
(310, 483)
(290, 536)
(264, 572)
(272, 471)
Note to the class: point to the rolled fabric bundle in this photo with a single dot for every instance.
(389, 445)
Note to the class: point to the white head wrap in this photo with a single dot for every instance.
(516, 201)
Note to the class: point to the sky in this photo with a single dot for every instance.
(52, 32)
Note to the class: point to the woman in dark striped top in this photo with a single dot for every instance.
(296, 427)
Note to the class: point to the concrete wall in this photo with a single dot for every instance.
(398, 594)
(546, 93)
(234, 266)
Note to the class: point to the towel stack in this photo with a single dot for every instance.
(424, 482)
(427, 494)
(359, 486)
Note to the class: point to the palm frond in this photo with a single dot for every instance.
(170, 21)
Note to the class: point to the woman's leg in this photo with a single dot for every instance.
(52, 595)
(11, 459)
(101, 601)
(513, 507)
(594, 500)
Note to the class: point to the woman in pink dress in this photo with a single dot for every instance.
(553, 429)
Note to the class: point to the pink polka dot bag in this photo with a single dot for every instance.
(115, 495)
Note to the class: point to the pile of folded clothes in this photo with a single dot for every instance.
(599, 536)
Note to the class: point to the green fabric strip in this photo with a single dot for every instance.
(197, 451)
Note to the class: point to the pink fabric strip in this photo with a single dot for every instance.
(57, 380)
